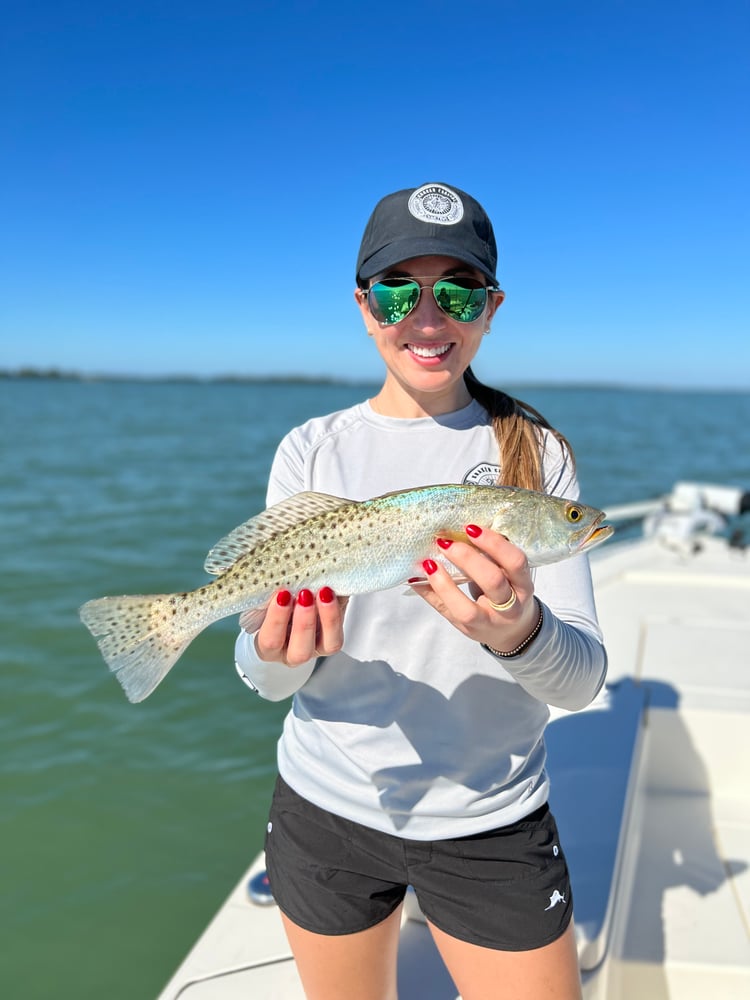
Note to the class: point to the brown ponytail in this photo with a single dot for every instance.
(518, 429)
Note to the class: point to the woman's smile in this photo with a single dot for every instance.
(429, 354)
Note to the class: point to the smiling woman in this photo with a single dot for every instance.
(372, 794)
(429, 341)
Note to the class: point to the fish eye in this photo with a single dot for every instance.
(574, 514)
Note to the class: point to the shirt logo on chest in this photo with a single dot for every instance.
(484, 474)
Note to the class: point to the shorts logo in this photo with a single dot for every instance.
(555, 898)
(484, 474)
(436, 203)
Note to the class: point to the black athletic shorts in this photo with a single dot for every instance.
(506, 889)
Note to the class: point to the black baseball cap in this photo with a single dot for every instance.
(418, 222)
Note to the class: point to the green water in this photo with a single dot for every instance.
(123, 827)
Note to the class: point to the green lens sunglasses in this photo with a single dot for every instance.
(392, 299)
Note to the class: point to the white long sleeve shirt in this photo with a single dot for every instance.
(414, 729)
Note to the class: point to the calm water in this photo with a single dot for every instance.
(124, 827)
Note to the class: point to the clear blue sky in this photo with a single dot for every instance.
(184, 185)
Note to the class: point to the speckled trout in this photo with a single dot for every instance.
(313, 540)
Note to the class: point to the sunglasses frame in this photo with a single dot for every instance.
(408, 281)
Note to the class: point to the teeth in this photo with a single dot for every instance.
(429, 352)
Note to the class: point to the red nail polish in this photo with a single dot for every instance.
(473, 530)
(414, 579)
(326, 595)
(305, 598)
(283, 598)
(445, 543)
(429, 566)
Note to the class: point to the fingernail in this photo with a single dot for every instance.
(305, 598)
(445, 543)
(326, 595)
(429, 566)
(414, 579)
(283, 598)
(473, 530)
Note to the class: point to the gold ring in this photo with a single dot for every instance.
(508, 604)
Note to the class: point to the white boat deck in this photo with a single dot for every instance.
(651, 792)
(679, 625)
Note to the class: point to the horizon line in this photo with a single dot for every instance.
(32, 373)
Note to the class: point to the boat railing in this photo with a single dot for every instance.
(688, 511)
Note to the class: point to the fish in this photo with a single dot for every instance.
(311, 540)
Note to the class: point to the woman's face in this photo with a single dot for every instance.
(427, 353)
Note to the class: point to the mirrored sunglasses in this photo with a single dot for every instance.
(392, 299)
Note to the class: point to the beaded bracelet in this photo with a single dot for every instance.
(526, 642)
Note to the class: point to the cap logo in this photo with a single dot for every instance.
(436, 203)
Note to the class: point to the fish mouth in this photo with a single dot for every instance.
(599, 533)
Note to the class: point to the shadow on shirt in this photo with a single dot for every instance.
(485, 735)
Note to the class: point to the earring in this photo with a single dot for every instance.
(485, 332)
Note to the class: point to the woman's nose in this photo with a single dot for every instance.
(428, 314)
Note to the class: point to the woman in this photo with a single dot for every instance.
(413, 752)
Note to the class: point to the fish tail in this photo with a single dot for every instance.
(137, 639)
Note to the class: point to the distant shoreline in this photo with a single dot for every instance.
(30, 374)
(56, 375)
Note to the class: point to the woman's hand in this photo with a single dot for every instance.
(295, 631)
(496, 569)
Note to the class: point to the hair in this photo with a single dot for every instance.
(519, 430)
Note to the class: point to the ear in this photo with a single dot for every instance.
(495, 300)
(360, 297)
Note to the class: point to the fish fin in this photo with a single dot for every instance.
(252, 619)
(265, 525)
(136, 639)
